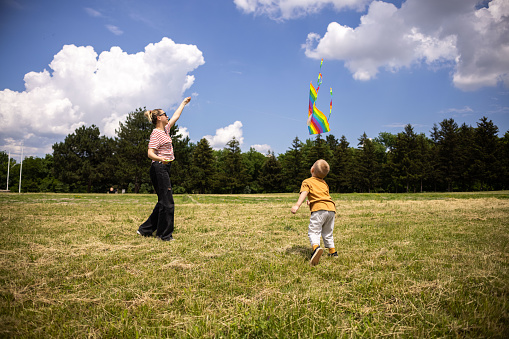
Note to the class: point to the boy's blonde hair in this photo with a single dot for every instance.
(321, 168)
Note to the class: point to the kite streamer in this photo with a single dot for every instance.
(317, 121)
(330, 111)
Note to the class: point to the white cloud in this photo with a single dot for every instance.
(86, 88)
(225, 134)
(455, 33)
(264, 149)
(465, 109)
(114, 29)
(184, 131)
(291, 9)
(31, 145)
(458, 112)
(401, 125)
(92, 12)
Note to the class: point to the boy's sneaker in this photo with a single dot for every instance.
(335, 254)
(315, 258)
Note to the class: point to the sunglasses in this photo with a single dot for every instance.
(162, 114)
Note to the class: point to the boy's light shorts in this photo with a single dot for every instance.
(322, 223)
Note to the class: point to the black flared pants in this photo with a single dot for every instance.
(162, 217)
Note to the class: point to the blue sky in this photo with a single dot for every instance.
(247, 65)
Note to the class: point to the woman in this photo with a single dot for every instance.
(160, 150)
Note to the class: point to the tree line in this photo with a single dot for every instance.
(452, 158)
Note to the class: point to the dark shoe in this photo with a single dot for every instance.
(335, 254)
(143, 235)
(170, 238)
(315, 258)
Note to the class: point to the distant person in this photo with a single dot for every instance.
(323, 210)
(160, 150)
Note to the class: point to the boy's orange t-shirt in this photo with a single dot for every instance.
(318, 195)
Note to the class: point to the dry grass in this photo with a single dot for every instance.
(409, 265)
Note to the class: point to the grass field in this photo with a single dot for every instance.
(409, 265)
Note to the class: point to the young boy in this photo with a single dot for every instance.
(323, 210)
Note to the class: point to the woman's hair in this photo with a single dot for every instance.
(151, 115)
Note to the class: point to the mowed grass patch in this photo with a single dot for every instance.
(413, 265)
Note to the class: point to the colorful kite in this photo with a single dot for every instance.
(317, 121)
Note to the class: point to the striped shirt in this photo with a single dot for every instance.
(161, 142)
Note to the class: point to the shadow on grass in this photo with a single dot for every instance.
(303, 251)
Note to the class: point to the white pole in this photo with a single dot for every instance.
(20, 168)
(8, 166)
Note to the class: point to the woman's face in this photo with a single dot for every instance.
(163, 117)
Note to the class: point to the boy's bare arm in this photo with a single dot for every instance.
(303, 195)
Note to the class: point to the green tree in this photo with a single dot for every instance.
(465, 158)
(271, 178)
(203, 173)
(342, 167)
(333, 176)
(486, 150)
(367, 167)
(386, 141)
(34, 172)
(423, 159)
(108, 165)
(49, 183)
(404, 158)
(434, 164)
(503, 178)
(131, 160)
(181, 166)
(4, 159)
(447, 152)
(331, 141)
(319, 150)
(77, 159)
(292, 167)
(254, 161)
(233, 175)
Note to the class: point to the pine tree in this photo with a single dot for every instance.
(434, 175)
(180, 168)
(465, 158)
(233, 176)
(367, 165)
(77, 159)
(254, 161)
(386, 142)
(319, 150)
(503, 178)
(271, 178)
(423, 160)
(292, 163)
(447, 144)
(343, 164)
(405, 158)
(132, 162)
(486, 153)
(203, 174)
